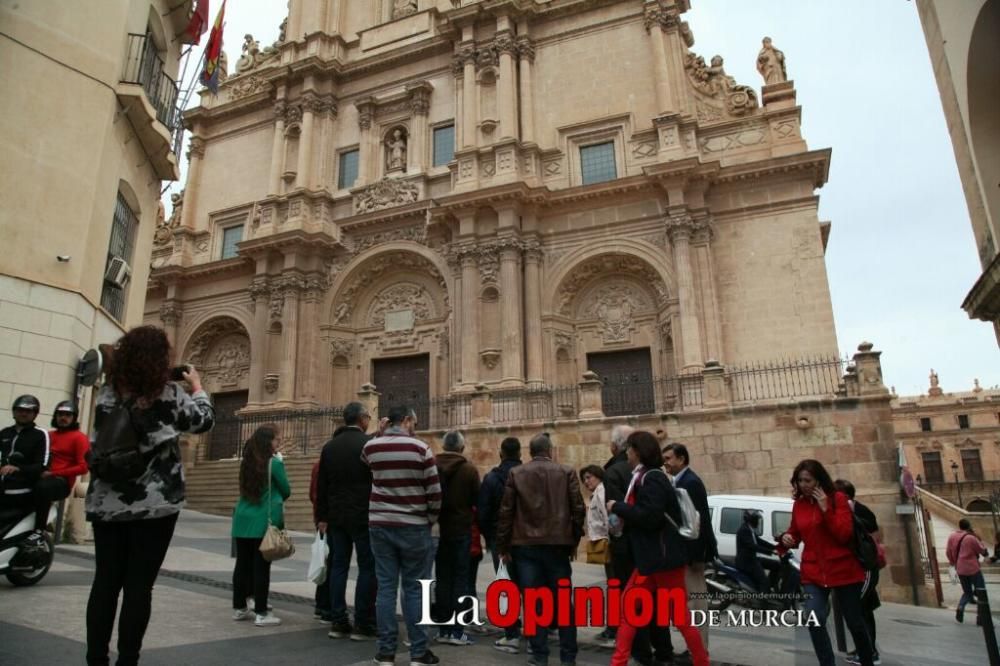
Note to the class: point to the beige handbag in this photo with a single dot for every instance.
(598, 552)
(276, 544)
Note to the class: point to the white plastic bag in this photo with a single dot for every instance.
(503, 575)
(952, 576)
(317, 562)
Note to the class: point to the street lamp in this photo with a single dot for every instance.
(958, 486)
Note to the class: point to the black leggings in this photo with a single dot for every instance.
(252, 575)
(128, 556)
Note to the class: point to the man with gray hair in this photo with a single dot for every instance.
(540, 525)
(460, 492)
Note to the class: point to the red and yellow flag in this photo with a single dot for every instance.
(210, 73)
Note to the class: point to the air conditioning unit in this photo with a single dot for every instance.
(118, 272)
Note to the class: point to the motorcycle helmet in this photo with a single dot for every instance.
(28, 402)
(752, 517)
(65, 407)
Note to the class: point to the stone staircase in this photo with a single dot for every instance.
(213, 487)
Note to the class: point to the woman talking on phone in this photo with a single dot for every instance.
(822, 520)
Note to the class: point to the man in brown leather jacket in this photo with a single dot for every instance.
(540, 525)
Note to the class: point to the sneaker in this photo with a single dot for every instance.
(855, 660)
(341, 629)
(426, 658)
(463, 639)
(508, 645)
(250, 604)
(384, 659)
(363, 633)
(266, 620)
(240, 614)
(959, 615)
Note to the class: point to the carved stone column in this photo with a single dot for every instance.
(526, 56)
(470, 104)
(510, 312)
(277, 149)
(658, 19)
(260, 295)
(680, 226)
(326, 133)
(196, 153)
(507, 85)
(420, 104)
(170, 315)
(470, 318)
(308, 360)
(289, 286)
(701, 244)
(366, 154)
(533, 313)
(311, 106)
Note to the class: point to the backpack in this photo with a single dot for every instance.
(690, 525)
(115, 455)
(865, 548)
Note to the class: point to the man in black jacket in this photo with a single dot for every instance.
(704, 549)
(343, 487)
(19, 476)
(748, 544)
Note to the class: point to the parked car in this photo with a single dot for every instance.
(727, 516)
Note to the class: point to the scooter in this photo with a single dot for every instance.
(727, 584)
(25, 553)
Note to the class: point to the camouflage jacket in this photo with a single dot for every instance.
(159, 491)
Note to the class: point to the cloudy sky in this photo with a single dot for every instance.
(901, 256)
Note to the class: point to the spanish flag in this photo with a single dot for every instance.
(210, 74)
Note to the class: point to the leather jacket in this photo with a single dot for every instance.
(541, 505)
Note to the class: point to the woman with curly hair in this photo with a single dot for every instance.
(822, 520)
(134, 518)
(263, 490)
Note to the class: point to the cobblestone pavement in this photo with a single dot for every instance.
(191, 621)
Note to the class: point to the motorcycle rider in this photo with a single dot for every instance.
(748, 544)
(68, 450)
(19, 476)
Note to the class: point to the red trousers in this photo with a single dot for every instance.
(671, 579)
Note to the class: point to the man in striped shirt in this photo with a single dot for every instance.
(404, 503)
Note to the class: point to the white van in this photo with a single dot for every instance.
(727, 516)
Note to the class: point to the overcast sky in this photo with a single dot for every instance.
(901, 256)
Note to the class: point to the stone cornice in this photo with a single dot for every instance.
(814, 162)
(306, 242)
(165, 275)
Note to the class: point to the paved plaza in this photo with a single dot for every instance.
(191, 621)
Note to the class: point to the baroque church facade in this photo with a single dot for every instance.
(443, 197)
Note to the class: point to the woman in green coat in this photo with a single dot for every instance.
(263, 490)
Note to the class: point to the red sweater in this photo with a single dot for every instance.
(68, 450)
(827, 558)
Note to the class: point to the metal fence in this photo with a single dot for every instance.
(143, 66)
(806, 378)
(301, 431)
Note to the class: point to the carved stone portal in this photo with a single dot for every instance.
(604, 267)
(401, 297)
(613, 305)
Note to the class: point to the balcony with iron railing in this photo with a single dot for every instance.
(148, 96)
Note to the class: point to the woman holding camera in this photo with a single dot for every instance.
(134, 516)
(822, 520)
(263, 490)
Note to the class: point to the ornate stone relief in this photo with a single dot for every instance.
(271, 382)
(208, 335)
(663, 17)
(401, 296)
(488, 169)
(642, 149)
(552, 168)
(253, 57)
(170, 313)
(719, 94)
(402, 8)
(613, 305)
(386, 193)
(229, 360)
(245, 86)
(415, 233)
(565, 341)
(736, 140)
(490, 358)
(603, 267)
(374, 268)
(343, 347)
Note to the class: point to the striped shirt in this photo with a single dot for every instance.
(406, 490)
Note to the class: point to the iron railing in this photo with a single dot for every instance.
(805, 378)
(301, 431)
(144, 67)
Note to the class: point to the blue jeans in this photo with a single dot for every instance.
(543, 566)
(451, 573)
(342, 541)
(969, 585)
(849, 600)
(400, 553)
(514, 630)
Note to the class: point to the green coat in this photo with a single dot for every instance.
(250, 518)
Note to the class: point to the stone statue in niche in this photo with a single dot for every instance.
(395, 159)
(401, 8)
(771, 63)
(176, 206)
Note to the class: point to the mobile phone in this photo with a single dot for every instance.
(177, 374)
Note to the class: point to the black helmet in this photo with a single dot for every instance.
(26, 401)
(751, 516)
(65, 407)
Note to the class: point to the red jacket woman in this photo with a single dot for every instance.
(828, 559)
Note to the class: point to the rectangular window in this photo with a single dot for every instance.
(972, 466)
(124, 225)
(933, 473)
(230, 237)
(780, 521)
(925, 424)
(731, 520)
(963, 421)
(597, 163)
(348, 171)
(444, 145)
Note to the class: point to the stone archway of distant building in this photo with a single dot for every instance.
(979, 505)
(392, 301)
(611, 297)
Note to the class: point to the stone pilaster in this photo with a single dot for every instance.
(680, 227)
(533, 313)
(196, 154)
(701, 247)
(420, 104)
(470, 104)
(311, 106)
(507, 85)
(260, 295)
(526, 59)
(289, 287)
(170, 315)
(366, 154)
(277, 148)
(510, 313)
(470, 318)
(657, 19)
(314, 287)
